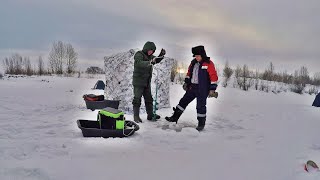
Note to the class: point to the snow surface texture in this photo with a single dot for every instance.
(119, 71)
(249, 136)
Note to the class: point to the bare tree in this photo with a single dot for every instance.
(246, 78)
(256, 81)
(286, 78)
(49, 71)
(271, 68)
(8, 66)
(27, 66)
(313, 90)
(297, 86)
(237, 74)
(300, 79)
(56, 57)
(71, 58)
(174, 70)
(316, 79)
(264, 86)
(17, 64)
(304, 75)
(243, 77)
(40, 66)
(13, 65)
(227, 73)
(269, 73)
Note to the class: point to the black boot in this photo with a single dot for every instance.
(149, 109)
(150, 117)
(136, 116)
(176, 115)
(201, 123)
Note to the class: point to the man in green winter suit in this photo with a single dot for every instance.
(142, 74)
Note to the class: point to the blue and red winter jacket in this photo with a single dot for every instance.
(207, 77)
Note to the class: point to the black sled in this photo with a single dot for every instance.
(92, 129)
(94, 102)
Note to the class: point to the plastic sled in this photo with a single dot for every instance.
(92, 129)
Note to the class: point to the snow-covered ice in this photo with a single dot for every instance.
(249, 136)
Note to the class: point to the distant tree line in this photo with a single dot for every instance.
(94, 70)
(16, 64)
(246, 78)
(62, 59)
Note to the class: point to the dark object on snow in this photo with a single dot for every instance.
(311, 166)
(176, 115)
(92, 97)
(92, 129)
(110, 118)
(99, 85)
(94, 102)
(215, 94)
(94, 70)
(316, 102)
(93, 105)
(201, 123)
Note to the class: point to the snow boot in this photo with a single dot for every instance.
(176, 115)
(149, 109)
(201, 123)
(150, 117)
(136, 116)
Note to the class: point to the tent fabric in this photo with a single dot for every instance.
(99, 85)
(316, 102)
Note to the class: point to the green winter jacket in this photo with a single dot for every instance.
(142, 73)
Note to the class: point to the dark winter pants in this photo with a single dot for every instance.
(140, 91)
(189, 96)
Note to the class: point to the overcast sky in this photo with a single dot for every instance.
(240, 31)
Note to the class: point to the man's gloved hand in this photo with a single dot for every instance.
(185, 86)
(153, 61)
(162, 53)
(212, 94)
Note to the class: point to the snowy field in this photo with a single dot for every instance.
(249, 136)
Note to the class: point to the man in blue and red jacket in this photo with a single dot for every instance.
(200, 83)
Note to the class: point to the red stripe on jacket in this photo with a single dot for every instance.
(211, 70)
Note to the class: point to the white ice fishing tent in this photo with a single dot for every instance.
(119, 71)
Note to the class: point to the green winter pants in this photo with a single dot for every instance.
(140, 91)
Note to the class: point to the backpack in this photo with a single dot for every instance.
(110, 118)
